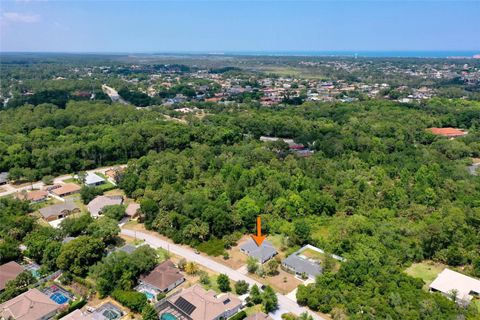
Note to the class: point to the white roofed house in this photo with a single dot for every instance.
(456, 286)
(92, 179)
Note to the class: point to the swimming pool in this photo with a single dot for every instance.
(168, 316)
(150, 296)
(59, 298)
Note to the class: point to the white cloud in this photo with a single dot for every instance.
(20, 17)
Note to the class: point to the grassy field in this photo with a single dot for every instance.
(70, 180)
(426, 270)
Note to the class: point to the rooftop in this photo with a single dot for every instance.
(163, 276)
(9, 271)
(200, 304)
(263, 252)
(57, 209)
(30, 305)
(448, 132)
(92, 178)
(449, 280)
(96, 205)
(301, 265)
(66, 189)
(258, 316)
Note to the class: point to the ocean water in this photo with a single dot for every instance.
(372, 54)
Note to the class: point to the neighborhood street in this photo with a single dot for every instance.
(285, 304)
(10, 189)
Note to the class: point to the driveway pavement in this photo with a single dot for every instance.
(285, 304)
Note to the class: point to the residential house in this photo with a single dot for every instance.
(262, 253)
(9, 271)
(33, 196)
(457, 286)
(58, 211)
(96, 206)
(448, 132)
(30, 305)
(66, 190)
(258, 316)
(3, 178)
(302, 266)
(133, 209)
(164, 278)
(92, 180)
(195, 303)
(114, 173)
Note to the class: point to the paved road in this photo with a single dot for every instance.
(113, 94)
(285, 303)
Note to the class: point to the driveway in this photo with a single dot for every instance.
(285, 304)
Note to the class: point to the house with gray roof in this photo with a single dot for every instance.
(301, 266)
(58, 211)
(96, 206)
(262, 253)
(3, 178)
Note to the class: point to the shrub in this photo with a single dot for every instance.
(241, 287)
(133, 300)
(239, 316)
(223, 282)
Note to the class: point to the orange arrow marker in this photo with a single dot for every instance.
(259, 238)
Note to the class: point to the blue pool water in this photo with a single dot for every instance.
(168, 316)
(149, 295)
(59, 298)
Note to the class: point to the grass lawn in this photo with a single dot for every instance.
(253, 309)
(71, 180)
(106, 186)
(213, 247)
(476, 303)
(426, 270)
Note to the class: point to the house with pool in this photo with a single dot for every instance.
(196, 303)
(164, 278)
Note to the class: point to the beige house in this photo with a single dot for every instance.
(195, 303)
(66, 190)
(30, 305)
(258, 316)
(9, 271)
(164, 278)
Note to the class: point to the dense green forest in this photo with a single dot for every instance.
(379, 190)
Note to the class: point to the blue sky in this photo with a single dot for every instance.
(221, 26)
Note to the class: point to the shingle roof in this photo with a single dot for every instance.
(30, 305)
(132, 209)
(163, 276)
(9, 271)
(301, 265)
(258, 316)
(96, 205)
(66, 189)
(57, 209)
(35, 195)
(200, 304)
(263, 252)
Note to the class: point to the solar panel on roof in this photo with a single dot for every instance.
(185, 306)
